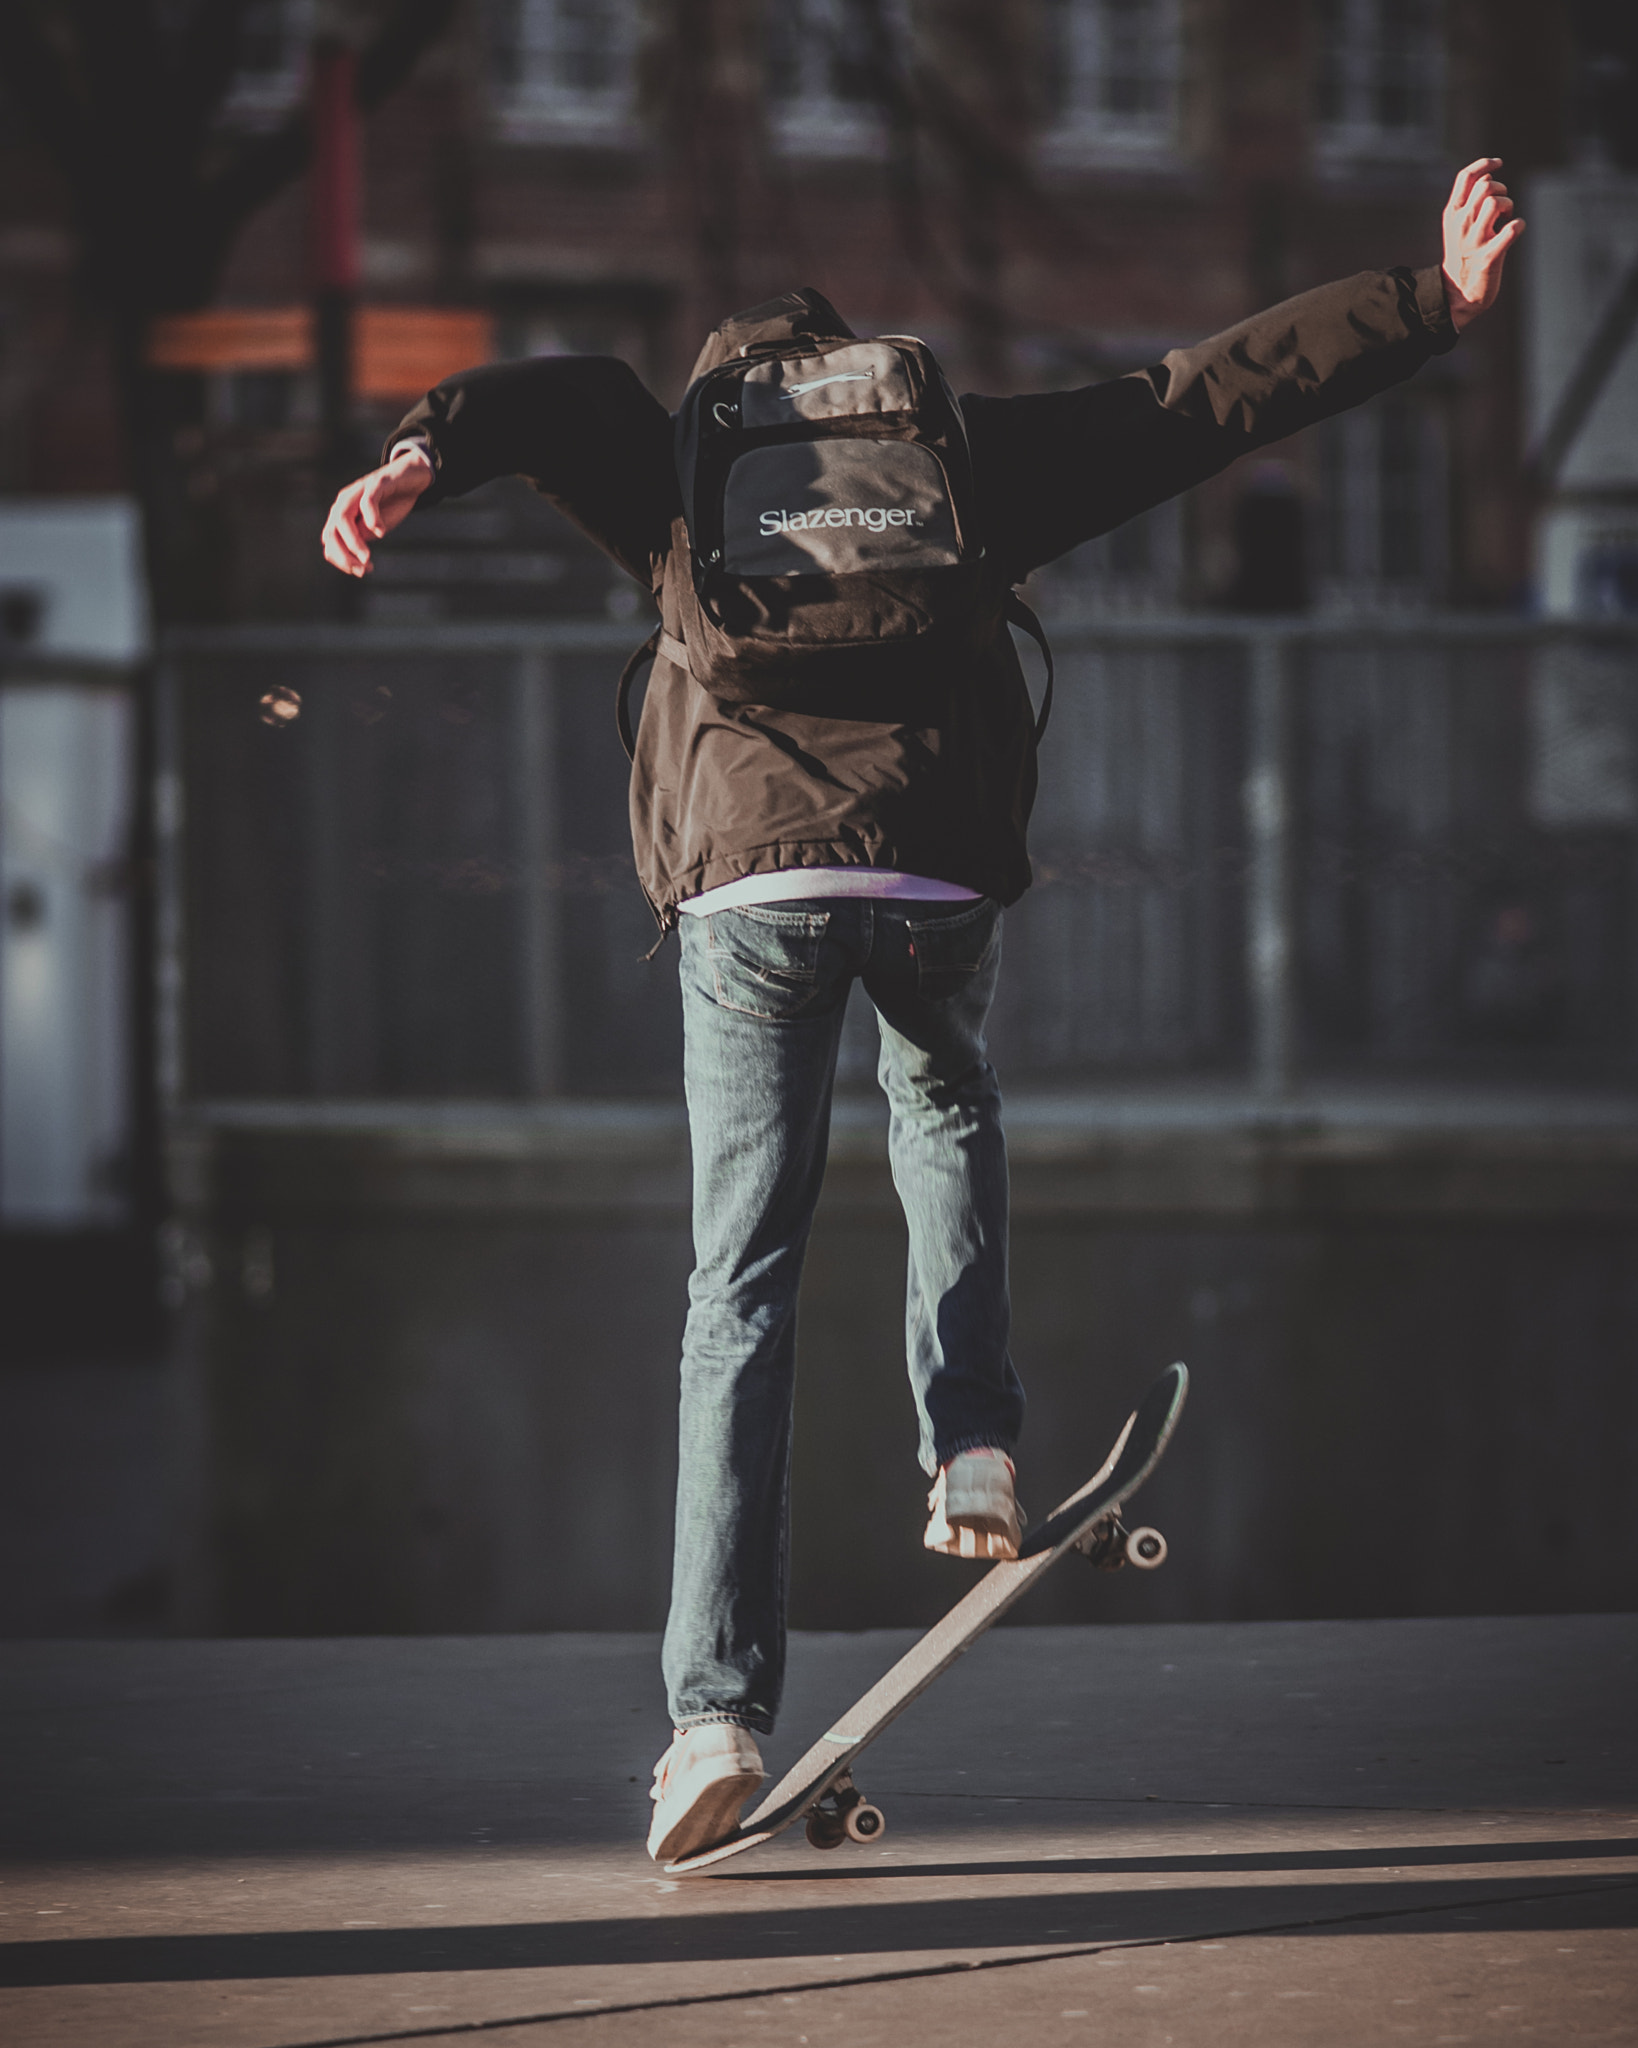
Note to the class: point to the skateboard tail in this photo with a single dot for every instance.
(1138, 1449)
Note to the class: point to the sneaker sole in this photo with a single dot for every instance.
(712, 1818)
(985, 1537)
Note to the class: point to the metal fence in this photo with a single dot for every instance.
(395, 862)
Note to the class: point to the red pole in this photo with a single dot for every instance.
(335, 168)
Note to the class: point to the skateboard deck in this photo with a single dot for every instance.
(819, 1786)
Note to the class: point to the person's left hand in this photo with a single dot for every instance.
(1480, 227)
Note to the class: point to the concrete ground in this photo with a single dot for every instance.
(1280, 1833)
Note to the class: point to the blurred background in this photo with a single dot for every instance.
(343, 1175)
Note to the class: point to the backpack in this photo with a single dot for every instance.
(827, 491)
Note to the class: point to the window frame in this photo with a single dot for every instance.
(1354, 516)
(1355, 138)
(543, 108)
(261, 99)
(1085, 133)
(820, 124)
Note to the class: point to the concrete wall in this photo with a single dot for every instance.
(427, 1360)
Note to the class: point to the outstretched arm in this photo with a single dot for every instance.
(1056, 468)
(582, 429)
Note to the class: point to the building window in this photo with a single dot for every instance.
(272, 74)
(827, 64)
(1381, 78)
(1383, 508)
(1111, 72)
(563, 70)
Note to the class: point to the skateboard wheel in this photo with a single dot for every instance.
(1146, 1548)
(826, 1831)
(865, 1823)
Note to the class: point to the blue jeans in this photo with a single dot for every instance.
(764, 990)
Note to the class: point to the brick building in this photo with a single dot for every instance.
(1050, 190)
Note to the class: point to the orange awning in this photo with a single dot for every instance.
(398, 351)
(233, 338)
(401, 351)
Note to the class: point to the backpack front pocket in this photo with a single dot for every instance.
(836, 507)
(869, 377)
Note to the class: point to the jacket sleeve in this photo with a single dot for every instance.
(583, 429)
(1055, 469)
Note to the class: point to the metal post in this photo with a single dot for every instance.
(1631, 706)
(344, 1041)
(1270, 948)
(540, 916)
(168, 931)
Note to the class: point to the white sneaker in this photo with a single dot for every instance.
(700, 1784)
(974, 1510)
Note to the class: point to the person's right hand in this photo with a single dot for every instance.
(371, 508)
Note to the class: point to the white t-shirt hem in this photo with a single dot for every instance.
(788, 885)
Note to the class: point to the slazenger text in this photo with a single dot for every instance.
(876, 517)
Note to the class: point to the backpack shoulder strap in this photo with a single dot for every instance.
(1017, 613)
(659, 645)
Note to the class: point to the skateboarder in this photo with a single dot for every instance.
(800, 846)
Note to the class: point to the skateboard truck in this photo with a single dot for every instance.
(843, 1814)
(1109, 1544)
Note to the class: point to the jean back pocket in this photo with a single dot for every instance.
(765, 962)
(952, 949)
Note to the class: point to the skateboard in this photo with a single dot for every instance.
(819, 1788)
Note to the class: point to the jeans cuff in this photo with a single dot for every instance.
(969, 1443)
(756, 1723)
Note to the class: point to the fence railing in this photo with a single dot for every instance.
(394, 860)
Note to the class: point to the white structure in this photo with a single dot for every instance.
(65, 776)
(71, 581)
(71, 591)
(1583, 240)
